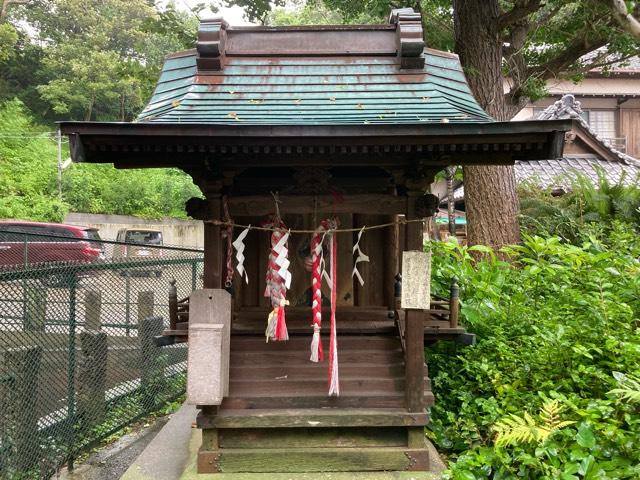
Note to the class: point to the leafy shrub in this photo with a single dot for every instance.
(28, 179)
(585, 203)
(554, 325)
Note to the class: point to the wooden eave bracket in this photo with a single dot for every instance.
(212, 35)
(410, 38)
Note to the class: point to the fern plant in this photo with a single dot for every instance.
(516, 430)
(629, 387)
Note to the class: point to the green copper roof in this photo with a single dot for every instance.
(316, 91)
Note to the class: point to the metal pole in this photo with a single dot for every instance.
(71, 372)
(127, 301)
(59, 138)
(451, 171)
(194, 275)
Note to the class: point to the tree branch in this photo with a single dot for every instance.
(521, 10)
(5, 6)
(569, 55)
(624, 18)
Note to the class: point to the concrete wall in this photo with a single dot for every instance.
(181, 233)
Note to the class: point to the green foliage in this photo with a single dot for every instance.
(28, 179)
(515, 430)
(629, 388)
(89, 60)
(553, 326)
(585, 203)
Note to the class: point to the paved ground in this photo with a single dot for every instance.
(111, 462)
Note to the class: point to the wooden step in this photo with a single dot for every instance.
(313, 418)
(328, 437)
(287, 357)
(293, 460)
(308, 370)
(369, 399)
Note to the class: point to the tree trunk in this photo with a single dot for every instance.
(490, 193)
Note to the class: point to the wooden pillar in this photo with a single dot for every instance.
(391, 264)
(414, 336)
(213, 244)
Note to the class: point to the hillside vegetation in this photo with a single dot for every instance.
(28, 178)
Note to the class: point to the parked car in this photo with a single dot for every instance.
(140, 245)
(30, 243)
(47, 242)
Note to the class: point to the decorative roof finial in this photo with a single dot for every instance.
(410, 37)
(210, 47)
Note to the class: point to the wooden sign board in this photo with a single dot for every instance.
(416, 280)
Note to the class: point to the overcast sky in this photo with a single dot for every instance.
(233, 15)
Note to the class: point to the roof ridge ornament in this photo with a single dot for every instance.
(410, 37)
(212, 35)
(569, 107)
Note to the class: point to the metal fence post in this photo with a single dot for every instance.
(71, 370)
(127, 301)
(194, 275)
(24, 365)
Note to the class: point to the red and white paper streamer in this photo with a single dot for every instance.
(238, 244)
(317, 274)
(278, 282)
(360, 257)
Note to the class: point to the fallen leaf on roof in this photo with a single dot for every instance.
(332, 99)
(256, 101)
(175, 103)
(360, 106)
(444, 120)
(426, 99)
(233, 115)
(232, 92)
(297, 101)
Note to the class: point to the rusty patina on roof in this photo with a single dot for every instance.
(335, 75)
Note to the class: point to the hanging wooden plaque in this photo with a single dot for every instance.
(416, 280)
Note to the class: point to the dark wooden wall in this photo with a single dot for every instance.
(378, 273)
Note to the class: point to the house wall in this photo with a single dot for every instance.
(180, 233)
(615, 94)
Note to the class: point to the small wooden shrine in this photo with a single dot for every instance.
(349, 125)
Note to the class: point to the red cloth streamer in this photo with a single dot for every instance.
(334, 384)
(276, 289)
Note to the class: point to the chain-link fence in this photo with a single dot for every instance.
(77, 356)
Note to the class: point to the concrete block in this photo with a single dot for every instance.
(213, 307)
(205, 376)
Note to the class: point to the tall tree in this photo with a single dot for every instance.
(509, 49)
(88, 59)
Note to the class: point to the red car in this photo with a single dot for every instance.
(23, 243)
